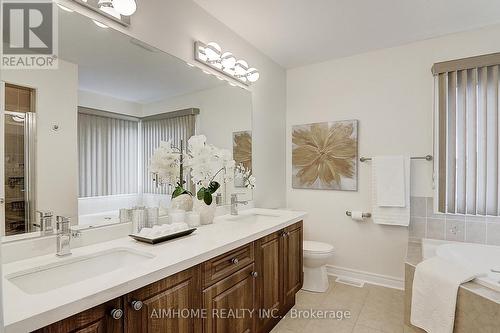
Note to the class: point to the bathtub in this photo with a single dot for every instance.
(103, 218)
(478, 257)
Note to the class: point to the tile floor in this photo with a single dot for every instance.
(372, 308)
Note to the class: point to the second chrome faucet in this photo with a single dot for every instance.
(63, 236)
(235, 202)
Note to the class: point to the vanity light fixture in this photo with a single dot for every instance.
(212, 56)
(116, 10)
(107, 7)
(125, 7)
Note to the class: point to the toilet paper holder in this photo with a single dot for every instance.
(366, 215)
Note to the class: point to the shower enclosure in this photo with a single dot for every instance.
(19, 160)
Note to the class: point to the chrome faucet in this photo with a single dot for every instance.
(235, 202)
(45, 225)
(63, 236)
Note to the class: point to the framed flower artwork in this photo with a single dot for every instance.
(325, 156)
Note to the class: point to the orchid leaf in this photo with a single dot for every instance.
(208, 198)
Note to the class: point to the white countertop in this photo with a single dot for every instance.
(26, 312)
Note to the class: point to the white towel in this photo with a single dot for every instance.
(398, 215)
(434, 296)
(391, 182)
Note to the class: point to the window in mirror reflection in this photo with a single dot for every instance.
(115, 150)
(108, 152)
(19, 149)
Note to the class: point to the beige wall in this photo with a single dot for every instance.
(390, 92)
(173, 26)
(56, 155)
(107, 103)
(223, 110)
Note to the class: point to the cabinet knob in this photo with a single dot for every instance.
(287, 233)
(235, 261)
(116, 314)
(254, 274)
(136, 305)
(283, 234)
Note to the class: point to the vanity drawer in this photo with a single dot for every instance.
(219, 267)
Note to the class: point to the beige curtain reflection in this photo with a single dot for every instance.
(154, 131)
(108, 155)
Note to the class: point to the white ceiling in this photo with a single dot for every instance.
(111, 63)
(300, 32)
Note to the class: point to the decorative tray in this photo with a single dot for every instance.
(163, 238)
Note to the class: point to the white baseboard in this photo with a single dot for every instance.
(371, 278)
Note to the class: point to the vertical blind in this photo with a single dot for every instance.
(154, 131)
(468, 127)
(108, 155)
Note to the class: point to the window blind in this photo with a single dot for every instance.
(108, 155)
(171, 126)
(468, 136)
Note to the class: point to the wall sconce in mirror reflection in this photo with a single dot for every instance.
(116, 10)
(225, 62)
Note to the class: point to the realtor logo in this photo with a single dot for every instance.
(29, 34)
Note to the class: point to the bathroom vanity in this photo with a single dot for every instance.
(238, 275)
(98, 120)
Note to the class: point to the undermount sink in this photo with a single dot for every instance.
(75, 269)
(252, 217)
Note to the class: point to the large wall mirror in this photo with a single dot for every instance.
(78, 139)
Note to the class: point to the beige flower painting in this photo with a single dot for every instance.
(324, 155)
(242, 151)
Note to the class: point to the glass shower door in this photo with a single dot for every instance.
(18, 163)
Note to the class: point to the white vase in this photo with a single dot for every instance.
(183, 202)
(207, 212)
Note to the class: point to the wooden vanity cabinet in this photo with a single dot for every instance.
(165, 306)
(98, 319)
(293, 271)
(230, 303)
(269, 290)
(213, 297)
(278, 262)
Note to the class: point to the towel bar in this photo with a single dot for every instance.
(366, 215)
(426, 157)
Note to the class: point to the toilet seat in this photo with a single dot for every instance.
(312, 247)
(316, 256)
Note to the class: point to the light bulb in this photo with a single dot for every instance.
(125, 7)
(253, 75)
(240, 68)
(213, 51)
(107, 7)
(229, 70)
(228, 60)
(201, 53)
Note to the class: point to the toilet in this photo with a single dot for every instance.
(316, 255)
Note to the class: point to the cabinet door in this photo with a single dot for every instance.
(269, 288)
(292, 263)
(230, 303)
(95, 320)
(168, 305)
